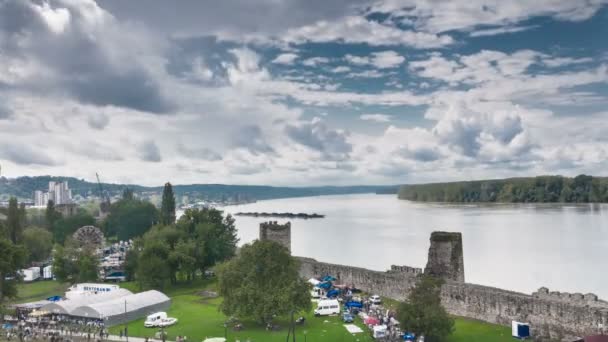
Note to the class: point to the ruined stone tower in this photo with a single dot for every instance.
(273, 231)
(445, 256)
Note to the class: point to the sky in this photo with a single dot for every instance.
(295, 92)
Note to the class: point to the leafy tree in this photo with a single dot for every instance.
(215, 235)
(66, 226)
(127, 194)
(75, 264)
(14, 221)
(51, 215)
(88, 267)
(38, 242)
(167, 209)
(11, 261)
(3, 230)
(130, 218)
(153, 268)
(423, 314)
(131, 259)
(262, 282)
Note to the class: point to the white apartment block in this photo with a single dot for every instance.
(59, 193)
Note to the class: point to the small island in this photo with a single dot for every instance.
(282, 215)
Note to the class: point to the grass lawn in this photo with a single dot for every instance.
(39, 290)
(472, 330)
(200, 318)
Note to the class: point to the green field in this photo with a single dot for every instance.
(200, 317)
(39, 290)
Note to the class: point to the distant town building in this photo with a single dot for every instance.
(59, 193)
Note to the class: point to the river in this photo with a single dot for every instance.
(518, 247)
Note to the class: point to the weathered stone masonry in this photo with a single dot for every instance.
(274, 231)
(551, 314)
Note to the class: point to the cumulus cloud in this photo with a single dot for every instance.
(252, 139)
(358, 29)
(314, 61)
(381, 60)
(80, 49)
(501, 30)
(98, 120)
(376, 117)
(421, 153)
(148, 151)
(332, 144)
(285, 58)
(5, 112)
(445, 16)
(198, 152)
(24, 154)
(481, 129)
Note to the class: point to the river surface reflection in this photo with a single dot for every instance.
(513, 246)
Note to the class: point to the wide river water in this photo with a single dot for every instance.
(512, 246)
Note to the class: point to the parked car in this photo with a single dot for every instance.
(348, 318)
(375, 299)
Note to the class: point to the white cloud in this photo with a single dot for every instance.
(442, 16)
(501, 30)
(57, 20)
(285, 58)
(381, 60)
(357, 29)
(376, 117)
(314, 61)
(340, 69)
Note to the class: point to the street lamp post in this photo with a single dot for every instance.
(126, 325)
(226, 331)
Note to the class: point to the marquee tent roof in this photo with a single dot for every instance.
(66, 307)
(125, 308)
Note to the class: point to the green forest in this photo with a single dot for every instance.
(545, 189)
(24, 187)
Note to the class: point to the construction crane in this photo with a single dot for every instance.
(104, 205)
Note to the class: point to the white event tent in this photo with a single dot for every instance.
(124, 309)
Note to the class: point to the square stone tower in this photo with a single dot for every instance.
(446, 259)
(276, 232)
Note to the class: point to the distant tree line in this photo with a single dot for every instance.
(580, 189)
(24, 187)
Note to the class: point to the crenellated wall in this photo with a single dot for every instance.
(548, 315)
(394, 285)
(551, 314)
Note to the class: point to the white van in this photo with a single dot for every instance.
(153, 320)
(327, 307)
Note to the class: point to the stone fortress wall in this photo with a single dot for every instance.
(274, 231)
(551, 314)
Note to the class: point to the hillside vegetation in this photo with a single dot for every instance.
(24, 187)
(580, 189)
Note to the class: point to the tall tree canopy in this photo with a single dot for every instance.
(128, 194)
(14, 221)
(262, 282)
(130, 218)
(38, 242)
(167, 208)
(64, 227)
(12, 259)
(74, 264)
(423, 314)
(170, 253)
(214, 234)
(51, 215)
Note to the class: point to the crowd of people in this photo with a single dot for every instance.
(55, 329)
